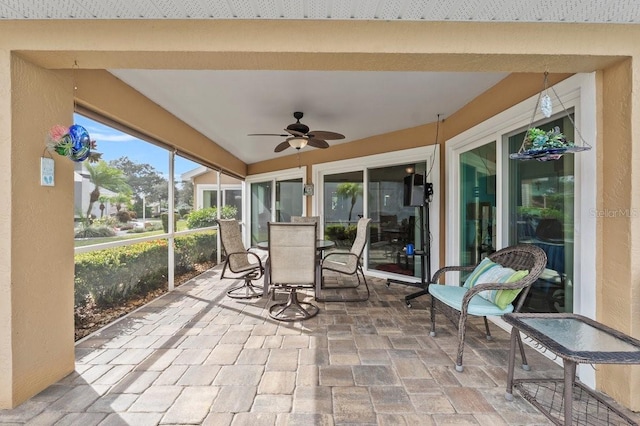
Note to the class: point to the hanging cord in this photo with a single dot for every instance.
(535, 110)
(570, 119)
(433, 157)
(74, 75)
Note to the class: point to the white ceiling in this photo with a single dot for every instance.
(604, 11)
(227, 105)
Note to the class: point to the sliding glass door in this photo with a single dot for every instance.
(395, 223)
(288, 199)
(538, 200)
(260, 210)
(344, 205)
(477, 203)
(274, 197)
(541, 212)
(376, 187)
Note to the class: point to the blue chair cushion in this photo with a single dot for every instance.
(478, 306)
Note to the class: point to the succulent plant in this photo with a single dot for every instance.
(537, 139)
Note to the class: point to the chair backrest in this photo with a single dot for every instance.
(292, 253)
(231, 240)
(362, 235)
(308, 219)
(521, 257)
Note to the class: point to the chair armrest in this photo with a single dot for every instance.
(442, 271)
(258, 264)
(338, 254)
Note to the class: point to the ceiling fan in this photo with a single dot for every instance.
(298, 136)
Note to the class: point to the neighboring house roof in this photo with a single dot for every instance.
(194, 173)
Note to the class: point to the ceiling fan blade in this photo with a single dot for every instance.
(317, 143)
(322, 134)
(267, 134)
(294, 132)
(282, 146)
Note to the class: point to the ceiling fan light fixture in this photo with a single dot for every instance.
(298, 142)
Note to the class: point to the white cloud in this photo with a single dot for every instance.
(112, 137)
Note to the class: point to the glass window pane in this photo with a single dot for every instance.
(478, 203)
(343, 206)
(260, 211)
(541, 212)
(288, 199)
(395, 222)
(124, 194)
(209, 198)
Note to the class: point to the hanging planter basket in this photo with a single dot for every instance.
(550, 145)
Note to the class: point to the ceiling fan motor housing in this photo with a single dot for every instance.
(298, 126)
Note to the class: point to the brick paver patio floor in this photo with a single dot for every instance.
(195, 356)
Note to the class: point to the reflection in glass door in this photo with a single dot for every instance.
(541, 212)
(260, 210)
(288, 199)
(394, 221)
(343, 206)
(477, 203)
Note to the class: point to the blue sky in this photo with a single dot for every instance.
(114, 144)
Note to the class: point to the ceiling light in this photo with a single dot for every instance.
(298, 142)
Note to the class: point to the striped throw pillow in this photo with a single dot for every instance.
(499, 274)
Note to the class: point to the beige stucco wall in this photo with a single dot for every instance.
(34, 98)
(618, 295)
(36, 272)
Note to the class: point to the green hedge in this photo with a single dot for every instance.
(193, 249)
(343, 236)
(207, 217)
(111, 276)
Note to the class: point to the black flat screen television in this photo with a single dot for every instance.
(414, 194)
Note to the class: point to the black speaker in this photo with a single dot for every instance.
(414, 192)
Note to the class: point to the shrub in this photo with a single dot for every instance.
(123, 216)
(95, 232)
(206, 217)
(133, 214)
(112, 276)
(343, 236)
(164, 217)
(193, 249)
(105, 221)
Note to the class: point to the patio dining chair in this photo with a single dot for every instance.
(499, 280)
(242, 263)
(348, 263)
(308, 219)
(292, 266)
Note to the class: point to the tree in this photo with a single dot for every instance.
(103, 176)
(185, 194)
(142, 178)
(120, 199)
(103, 199)
(350, 190)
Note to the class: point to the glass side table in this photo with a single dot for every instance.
(575, 339)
